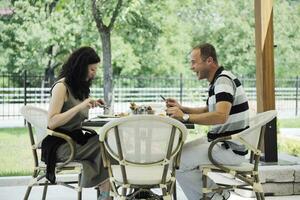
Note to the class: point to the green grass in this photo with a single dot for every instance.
(15, 152)
(289, 123)
(16, 156)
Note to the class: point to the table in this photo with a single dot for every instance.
(99, 122)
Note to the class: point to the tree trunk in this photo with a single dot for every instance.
(107, 69)
(106, 48)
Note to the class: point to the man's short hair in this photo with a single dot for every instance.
(207, 50)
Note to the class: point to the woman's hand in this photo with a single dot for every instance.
(101, 102)
(90, 103)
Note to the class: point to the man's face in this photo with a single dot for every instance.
(199, 66)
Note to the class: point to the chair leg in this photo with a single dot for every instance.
(168, 197)
(124, 191)
(34, 175)
(175, 191)
(45, 190)
(27, 192)
(98, 192)
(262, 196)
(79, 194)
(164, 191)
(204, 182)
(257, 195)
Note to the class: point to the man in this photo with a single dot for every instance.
(226, 111)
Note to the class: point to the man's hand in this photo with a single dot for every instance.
(172, 103)
(175, 112)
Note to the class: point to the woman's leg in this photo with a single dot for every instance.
(89, 156)
(104, 188)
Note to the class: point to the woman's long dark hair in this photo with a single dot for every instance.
(75, 71)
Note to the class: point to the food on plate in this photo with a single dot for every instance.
(122, 114)
(133, 106)
(150, 110)
(141, 109)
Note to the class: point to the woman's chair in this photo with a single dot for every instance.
(37, 125)
(244, 176)
(142, 153)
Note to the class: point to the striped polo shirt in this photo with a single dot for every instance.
(226, 87)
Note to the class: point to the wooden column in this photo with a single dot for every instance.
(265, 84)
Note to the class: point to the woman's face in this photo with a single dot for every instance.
(92, 71)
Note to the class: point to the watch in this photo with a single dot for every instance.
(185, 117)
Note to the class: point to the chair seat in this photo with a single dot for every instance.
(146, 175)
(226, 179)
(70, 164)
(244, 167)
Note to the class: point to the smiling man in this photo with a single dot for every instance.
(226, 111)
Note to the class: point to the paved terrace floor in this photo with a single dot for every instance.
(63, 193)
(14, 188)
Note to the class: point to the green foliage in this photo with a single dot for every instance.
(149, 37)
(29, 33)
(4, 3)
(229, 25)
(289, 146)
(289, 123)
(140, 29)
(287, 38)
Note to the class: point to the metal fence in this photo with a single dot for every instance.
(19, 89)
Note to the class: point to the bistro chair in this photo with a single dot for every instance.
(142, 153)
(37, 125)
(244, 176)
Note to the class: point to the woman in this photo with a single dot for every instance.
(69, 106)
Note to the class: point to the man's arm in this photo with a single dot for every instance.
(219, 116)
(190, 110)
(173, 103)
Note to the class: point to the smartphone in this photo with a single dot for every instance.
(163, 97)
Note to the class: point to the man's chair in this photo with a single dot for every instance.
(142, 153)
(244, 176)
(37, 124)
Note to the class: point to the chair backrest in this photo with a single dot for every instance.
(37, 118)
(253, 135)
(143, 139)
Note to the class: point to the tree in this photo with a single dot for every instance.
(136, 16)
(39, 35)
(105, 33)
(229, 26)
(286, 38)
(148, 38)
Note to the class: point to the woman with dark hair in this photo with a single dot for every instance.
(69, 106)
